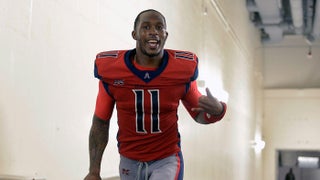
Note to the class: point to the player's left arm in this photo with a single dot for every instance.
(205, 109)
(210, 109)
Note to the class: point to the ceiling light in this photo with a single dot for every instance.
(309, 55)
(308, 162)
(258, 145)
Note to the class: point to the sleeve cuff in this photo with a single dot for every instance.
(214, 118)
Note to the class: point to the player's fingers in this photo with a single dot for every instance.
(197, 109)
(205, 106)
(208, 92)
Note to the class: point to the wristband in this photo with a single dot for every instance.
(209, 118)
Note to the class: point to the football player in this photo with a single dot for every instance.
(146, 84)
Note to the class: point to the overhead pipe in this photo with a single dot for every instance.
(271, 18)
(269, 11)
(283, 25)
(297, 15)
(251, 6)
(308, 8)
(316, 21)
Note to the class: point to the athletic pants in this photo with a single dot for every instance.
(169, 168)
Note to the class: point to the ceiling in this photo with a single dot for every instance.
(290, 37)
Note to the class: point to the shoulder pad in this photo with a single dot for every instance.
(185, 55)
(112, 54)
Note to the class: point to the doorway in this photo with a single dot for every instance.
(304, 164)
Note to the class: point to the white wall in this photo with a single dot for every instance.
(48, 91)
(291, 122)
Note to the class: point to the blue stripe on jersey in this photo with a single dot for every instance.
(96, 74)
(195, 74)
(188, 87)
(106, 87)
(184, 55)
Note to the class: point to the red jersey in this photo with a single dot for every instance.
(146, 100)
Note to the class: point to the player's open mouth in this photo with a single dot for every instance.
(153, 43)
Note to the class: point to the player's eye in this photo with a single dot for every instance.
(146, 27)
(159, 27)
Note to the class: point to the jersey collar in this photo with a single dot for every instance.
(145, 75)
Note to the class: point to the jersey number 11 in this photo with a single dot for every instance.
(140, 111)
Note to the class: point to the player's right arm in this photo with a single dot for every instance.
(98, 140)
(99, 132)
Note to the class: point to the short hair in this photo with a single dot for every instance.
(148, 10)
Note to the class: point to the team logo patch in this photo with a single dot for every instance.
(184, 55)
(118, 82)
(125, 171)
(146, 76)
(113, 54)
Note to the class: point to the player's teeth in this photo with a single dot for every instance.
(152, 43)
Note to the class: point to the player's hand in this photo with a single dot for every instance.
(209, 104)
(92, 177)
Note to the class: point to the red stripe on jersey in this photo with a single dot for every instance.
(178, 167)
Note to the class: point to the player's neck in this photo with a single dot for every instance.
(146, 61)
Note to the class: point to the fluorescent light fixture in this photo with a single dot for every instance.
(308, 162)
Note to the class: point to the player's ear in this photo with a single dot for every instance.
(167, 34)
(134, 35)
